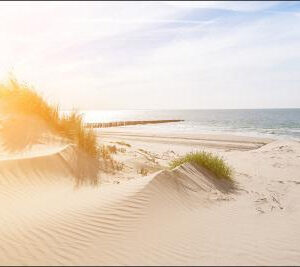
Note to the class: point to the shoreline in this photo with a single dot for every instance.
(173, 129)
(271, 123)
(205, 140)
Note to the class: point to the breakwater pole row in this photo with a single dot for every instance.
(124, 123)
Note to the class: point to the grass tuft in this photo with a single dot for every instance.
(123, 143)
(112, 149)
(20, 99)
(211, 162)
(143, 171)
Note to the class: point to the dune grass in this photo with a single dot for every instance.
(16, 98)
(123, 143)
(211, 162)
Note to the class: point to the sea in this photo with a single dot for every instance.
(270, 123)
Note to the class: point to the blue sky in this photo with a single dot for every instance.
(155, 55)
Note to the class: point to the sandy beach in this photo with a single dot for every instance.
(159, 217)
(150, 133)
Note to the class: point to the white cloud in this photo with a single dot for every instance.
(229, 5)
(151, 55)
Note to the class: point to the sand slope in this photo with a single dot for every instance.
(176, 217)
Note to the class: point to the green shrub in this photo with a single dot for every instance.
(207, 160)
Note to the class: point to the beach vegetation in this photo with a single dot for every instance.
(123, 143)
(143, 171)
(117, 165)
(105, 152)
(121, 149)
(209, 161)
(21, 99)
(112, 149)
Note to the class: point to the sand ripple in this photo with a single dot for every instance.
(179, 217)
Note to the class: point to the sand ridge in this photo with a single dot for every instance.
(178, 217)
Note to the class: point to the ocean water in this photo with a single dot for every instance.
(272, 123)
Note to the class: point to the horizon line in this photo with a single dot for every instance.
(184, 109)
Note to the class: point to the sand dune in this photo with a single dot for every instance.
(184, 216)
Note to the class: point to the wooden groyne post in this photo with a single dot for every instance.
(124, 123)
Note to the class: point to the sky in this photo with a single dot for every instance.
(155, 55)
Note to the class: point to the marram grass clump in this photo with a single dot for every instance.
(211, 162)
(22, 100)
